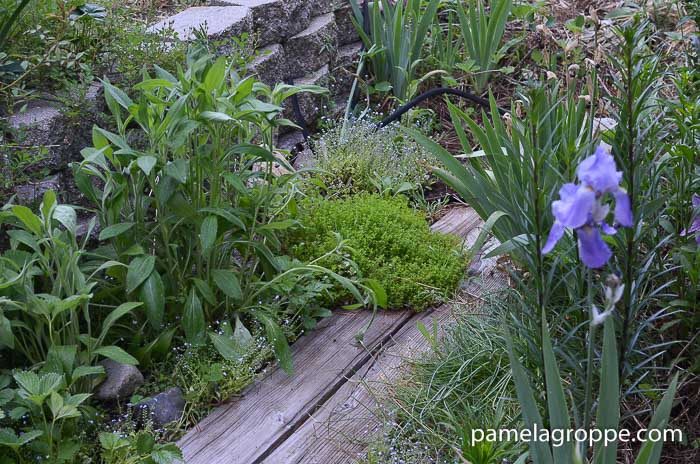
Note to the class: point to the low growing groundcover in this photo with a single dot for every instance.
(388, 241)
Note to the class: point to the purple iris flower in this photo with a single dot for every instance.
(580, 207)
(695, 225)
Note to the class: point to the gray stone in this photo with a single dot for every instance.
(121, 382)
(292, 142)
(270, 65)
(304, 160)
(310, 105)
(321, 7)
(165, 407)
(61, 134)
(33, 192)
(313, 47)
(344, 67)
(221, 22)
(346, 29)
(276, 20)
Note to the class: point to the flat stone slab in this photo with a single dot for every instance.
(276, 20)
(219, 21)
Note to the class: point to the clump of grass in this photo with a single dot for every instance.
(388, 241)
(463, 384)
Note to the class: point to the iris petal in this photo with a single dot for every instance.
(608, 229)
(574, 208)
(623, 209)
(599, 171)
(594, 252)
(555, 234)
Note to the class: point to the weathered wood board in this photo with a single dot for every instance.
(326, 412)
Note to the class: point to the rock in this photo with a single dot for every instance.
(165, 407)
(304, 160)
(292, 142)
(346, 29)
(276, 20)
(270, 65)
(221, 22)
(121, 382)
(310, 105)
(313, 47)
(344, 67)
(33, 192)
(321, 7)
(47, 126)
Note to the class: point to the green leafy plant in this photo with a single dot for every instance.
(482, 34)
(137, 448)
(196, 208)
(395, 41)
(557, 412)
(52, 415)
(46, 293)
(389, 243)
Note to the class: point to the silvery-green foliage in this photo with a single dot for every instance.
(363, 158)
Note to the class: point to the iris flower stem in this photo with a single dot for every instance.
(630, 127)
(589, 361)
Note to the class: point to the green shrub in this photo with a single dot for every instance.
(363, 159)
(388, 241)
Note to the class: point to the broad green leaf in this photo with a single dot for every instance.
(146, 163)
(232, 346)
(193, 322)
(117, 354)
(275, 336)
(85, 371)
(115, 230)
(215, 116)
(152, 294)
(30, 220)
(207, 233)
(227, 281)
(116, 314)
(139, 270)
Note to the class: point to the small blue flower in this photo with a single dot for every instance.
(580, 208)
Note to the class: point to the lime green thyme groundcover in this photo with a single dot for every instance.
(388, 241)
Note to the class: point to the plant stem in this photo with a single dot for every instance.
(589, 360)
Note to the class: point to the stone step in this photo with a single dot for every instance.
(312, 48)
(47, 125)
(221, 22)
(270, 66)
(310, 105)
(346, 29)
(275, 20)
(344, 67)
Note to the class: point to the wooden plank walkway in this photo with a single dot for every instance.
(328, 410)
